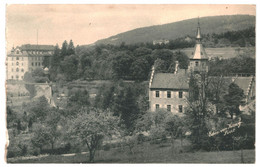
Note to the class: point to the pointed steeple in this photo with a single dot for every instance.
(199, 52)
(198, 36)
(199, 60)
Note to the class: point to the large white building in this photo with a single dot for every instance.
(26, 58)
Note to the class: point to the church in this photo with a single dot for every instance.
(170, 91)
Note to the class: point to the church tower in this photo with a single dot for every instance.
(199, 60)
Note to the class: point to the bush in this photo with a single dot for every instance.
(106, 147)
(11, 154)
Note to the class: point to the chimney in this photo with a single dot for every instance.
(176, 67)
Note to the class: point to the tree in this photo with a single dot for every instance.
(53, 128)
(64, 50)
(30, 87)
(121, 65)
(234, 99)
(40, 136)
(140, 69)
(39, 76)
(39, 108)
(198, 111)
(78, 97)
(91, 127)
(217, 88)
(71, 48)
(55, 63)
(69, 67)
(175, 127)
(126, 107)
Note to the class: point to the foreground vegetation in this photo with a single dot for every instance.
(146, 153)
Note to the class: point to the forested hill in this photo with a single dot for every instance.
(171, 31)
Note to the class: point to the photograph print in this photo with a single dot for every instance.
(130, 83)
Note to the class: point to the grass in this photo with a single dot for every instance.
(146, 153)
(226, 52)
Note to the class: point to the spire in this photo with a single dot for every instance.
(199, 51)
(198, 36)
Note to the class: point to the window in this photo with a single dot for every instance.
(17, 52)
(17, 63)
(32, 63)
(17, 70)
(180, 108)
(22, 70)
(22, 64)
(196, 63)
(17, 76)
(12, 64)
(180, 94)
(169, 108)
(22, 77)
(12, 58)
(22, 58)
(17, 58)
(157, 93)
(12, 77)
(12, 70)
(168, 94)
(157, 106)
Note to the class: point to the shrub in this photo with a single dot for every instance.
(11, 154)
(106, 147)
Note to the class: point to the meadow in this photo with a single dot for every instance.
(146, 153)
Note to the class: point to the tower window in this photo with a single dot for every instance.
(180, 94)
(157, 106)
(169, 108)
(196, 63)
(180, 108)
(157, 94)
(168, 94)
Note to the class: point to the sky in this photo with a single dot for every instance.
(85, 24)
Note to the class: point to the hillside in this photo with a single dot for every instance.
(171, 31)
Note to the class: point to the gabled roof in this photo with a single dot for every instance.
(242, 82)
(171, 81)
(29, 47)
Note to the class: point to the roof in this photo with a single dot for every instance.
(29, 47)
(198, 36)
(199, 52)
(242, 82)
(170, 80)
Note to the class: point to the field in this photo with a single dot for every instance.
(146, 153)
(225, 53)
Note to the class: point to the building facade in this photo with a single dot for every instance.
(26, 58)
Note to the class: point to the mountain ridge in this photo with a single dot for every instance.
(171, 31)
